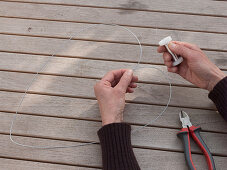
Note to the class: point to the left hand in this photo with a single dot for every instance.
(110, 92)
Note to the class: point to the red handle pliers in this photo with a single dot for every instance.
(185, 133)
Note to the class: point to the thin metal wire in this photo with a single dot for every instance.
(44, 66)
(168, 102)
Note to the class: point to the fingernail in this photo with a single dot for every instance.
(172, 45)
(129, 72)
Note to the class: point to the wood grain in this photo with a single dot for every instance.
(81, 156)
(199, 7)
(95, 15)
(79, 87)
(147, 36)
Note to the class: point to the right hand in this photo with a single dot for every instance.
(196, 67)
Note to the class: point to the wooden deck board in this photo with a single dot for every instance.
(198, 7)
(95, 15)
(81, 156)
(61, 109)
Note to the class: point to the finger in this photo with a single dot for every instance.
(125, 80)
(180, 49)
(116, 81)
(168, 64)
(161, 49)
(113, 75)
(167, 57)
(173, 69)
(135, 79)
(188, 45)
(132, 85)
(129, 90)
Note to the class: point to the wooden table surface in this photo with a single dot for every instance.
(60, 107)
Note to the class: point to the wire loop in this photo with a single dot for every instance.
(137, 66)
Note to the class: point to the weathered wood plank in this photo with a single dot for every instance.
(13, 164)
(178, 6)
(88, 109)
(95, 15)
(83, 67)
(91, 155)
(80, 130)
(79, 87)
(109, 33)
(88, 49)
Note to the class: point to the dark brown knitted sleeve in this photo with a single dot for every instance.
(117, 153)
(219, 96)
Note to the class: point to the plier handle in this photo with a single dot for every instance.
(193, 131)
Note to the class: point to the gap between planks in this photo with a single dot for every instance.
(120, 8)
(125, 25)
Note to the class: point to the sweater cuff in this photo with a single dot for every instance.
(117, 153)
(219, 96)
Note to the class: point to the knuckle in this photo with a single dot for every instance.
(180, 49)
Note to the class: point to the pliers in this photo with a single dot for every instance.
(193, 131)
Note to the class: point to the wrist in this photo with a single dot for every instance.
(217, 76)
(109, 119)
(107, 122)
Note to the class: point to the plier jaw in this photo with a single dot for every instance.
(193, 131)
(185, 120)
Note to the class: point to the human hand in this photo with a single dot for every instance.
(196, 67)
(110, 92)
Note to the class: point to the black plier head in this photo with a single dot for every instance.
(185, 120)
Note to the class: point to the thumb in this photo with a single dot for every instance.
(180, 49)
(125, 80)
